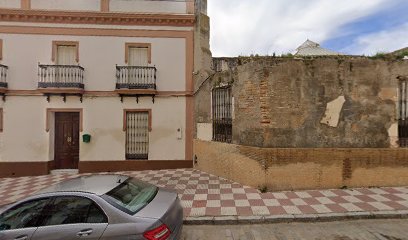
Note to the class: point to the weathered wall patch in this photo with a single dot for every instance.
(333, 110)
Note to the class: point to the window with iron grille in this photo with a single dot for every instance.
(137, 135)
(403, 112)
(222, 114)
(1, 119)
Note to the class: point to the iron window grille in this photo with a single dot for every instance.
(3, 76)
(222, 114)
(137, 135)
(403, 112)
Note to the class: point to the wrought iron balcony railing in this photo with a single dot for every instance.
(3, 76)
(135, 77)
(60, 76)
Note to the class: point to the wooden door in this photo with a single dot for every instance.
(66, 140)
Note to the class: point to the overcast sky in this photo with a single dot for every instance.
(244, 27)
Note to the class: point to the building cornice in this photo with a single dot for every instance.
(106, 18)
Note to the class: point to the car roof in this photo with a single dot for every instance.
(95, 184)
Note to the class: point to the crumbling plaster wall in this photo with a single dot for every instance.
(341, 102)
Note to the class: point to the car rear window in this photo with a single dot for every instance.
(131, 195)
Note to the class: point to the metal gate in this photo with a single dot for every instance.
(222, 114)
(137, 135)
(402, 113)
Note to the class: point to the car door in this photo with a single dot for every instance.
(20, 222)
(72, 217)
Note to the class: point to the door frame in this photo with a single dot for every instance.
(50, 118)
(51, 112)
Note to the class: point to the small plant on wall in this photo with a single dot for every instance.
(287, 55)
(379, 55)
(402, 55)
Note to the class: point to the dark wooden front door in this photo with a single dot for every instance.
(66, 140)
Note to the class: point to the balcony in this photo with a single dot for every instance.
(136, 80)
(61, 80)
(3, 78)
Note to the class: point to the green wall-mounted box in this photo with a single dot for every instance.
(86, 138)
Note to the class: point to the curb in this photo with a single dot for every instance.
(321, 217)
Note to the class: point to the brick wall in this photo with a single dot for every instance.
(303, 168)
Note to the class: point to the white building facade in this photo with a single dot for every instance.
(95, 85)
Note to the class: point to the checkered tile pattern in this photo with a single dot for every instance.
(202, 194)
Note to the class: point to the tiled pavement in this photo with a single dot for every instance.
(207, 195)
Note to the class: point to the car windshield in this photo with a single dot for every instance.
(131, 195)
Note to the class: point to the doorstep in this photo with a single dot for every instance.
(64, 171)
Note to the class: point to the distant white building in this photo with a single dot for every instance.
(310, 48)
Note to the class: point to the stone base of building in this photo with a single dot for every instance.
(310, 168)
(117, 166)
(19, 169)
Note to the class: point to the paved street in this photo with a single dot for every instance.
(209, 198)
(349, 230)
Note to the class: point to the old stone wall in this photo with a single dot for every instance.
(327, 102)
(202, 59)
(277, 169)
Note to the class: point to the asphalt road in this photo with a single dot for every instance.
(345, 230)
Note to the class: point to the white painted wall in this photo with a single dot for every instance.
(98, 55)
(24, 137)
(148, 6)
(204, 131)
(67, 5)
(21, 140)
(133, 6)
(10, 4)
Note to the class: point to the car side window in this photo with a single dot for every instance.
(96, 215)
(72, 210)
(24, 215)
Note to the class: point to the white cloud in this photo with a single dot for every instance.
(384, 41)
(243, 27)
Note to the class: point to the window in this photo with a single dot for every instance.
(66, 55)
(222, 114)
(24, 215)
(138, 54)
(137, 125)
(131, 195)
(65, 52)
(65, 73)
(1, 119)
(1, 49)
(403, 111)
(72, 210)
(137, 74)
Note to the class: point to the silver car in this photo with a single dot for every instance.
(95, 207)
